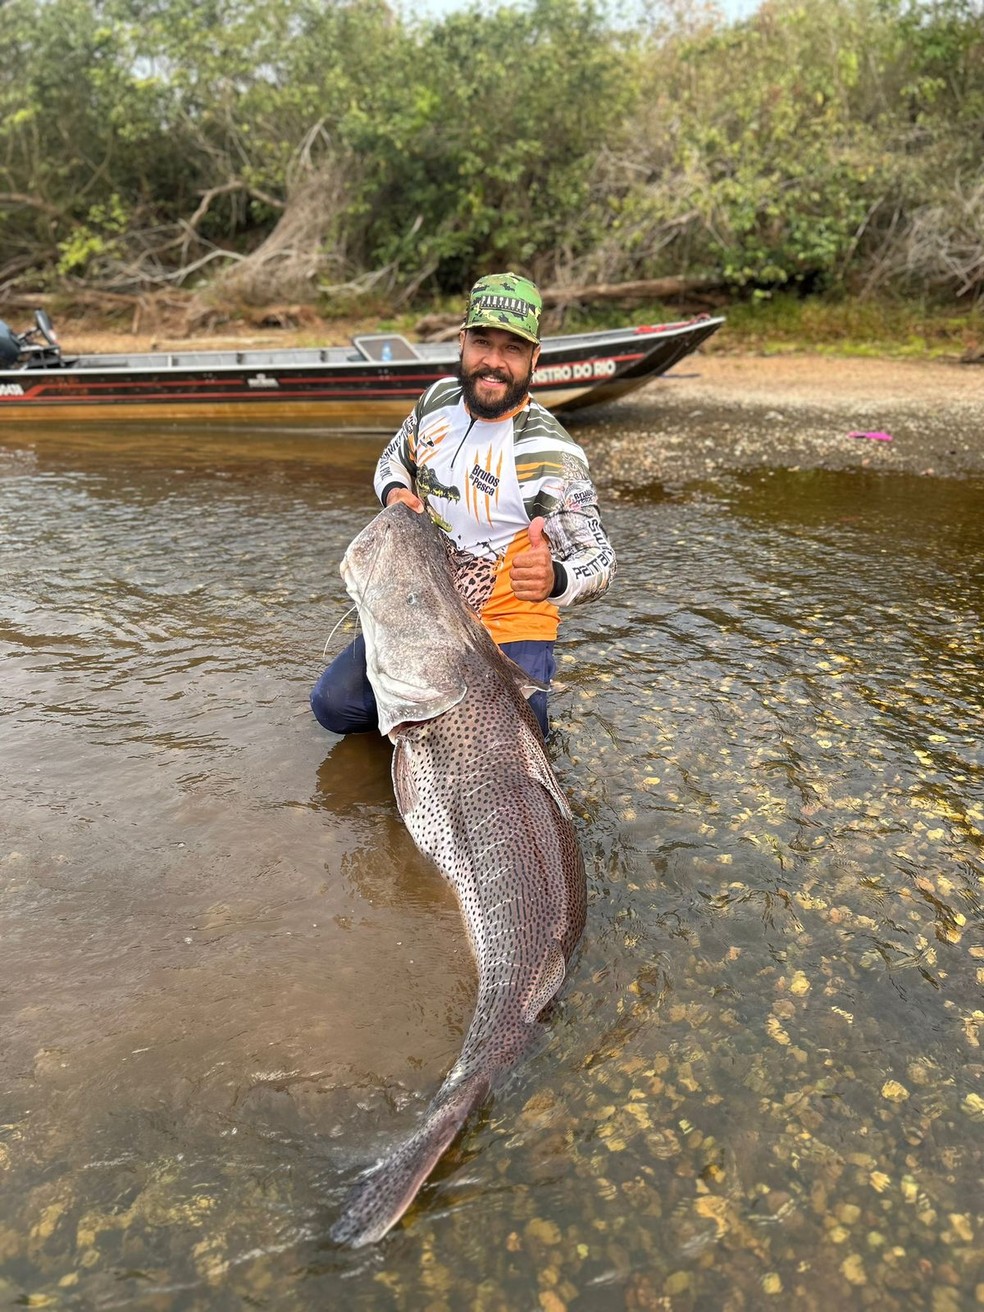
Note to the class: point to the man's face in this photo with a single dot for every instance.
(495, 370)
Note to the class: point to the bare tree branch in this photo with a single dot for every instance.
(16, 198)
(227, 189)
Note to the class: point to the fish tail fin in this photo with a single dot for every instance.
(379, 1200)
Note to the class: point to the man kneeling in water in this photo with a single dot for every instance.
(508, 486)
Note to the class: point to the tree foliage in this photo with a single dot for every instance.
(789, 149)
(309, 144)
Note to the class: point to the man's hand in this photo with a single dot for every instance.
(532, 573)
(407, 497)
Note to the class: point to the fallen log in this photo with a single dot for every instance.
(444, 327)
(68, 299)
(656, 289)
(437, 327)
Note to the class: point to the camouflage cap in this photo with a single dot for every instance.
(507, 301)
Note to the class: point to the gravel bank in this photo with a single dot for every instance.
(718, 412)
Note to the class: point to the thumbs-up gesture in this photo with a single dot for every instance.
(532, 574)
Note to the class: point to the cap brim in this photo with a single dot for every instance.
(492, 321)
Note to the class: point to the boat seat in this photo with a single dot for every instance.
(382, 347)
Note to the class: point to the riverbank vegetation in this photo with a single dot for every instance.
(232, 155)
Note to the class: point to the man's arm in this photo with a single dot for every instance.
(396, 468)
(556, 484)
(569, 559)
(583, 559)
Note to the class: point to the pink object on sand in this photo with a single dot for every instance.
(873, 437)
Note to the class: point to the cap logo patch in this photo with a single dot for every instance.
(511, 304)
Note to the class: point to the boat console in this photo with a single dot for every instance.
(381, 348)
(37, 348)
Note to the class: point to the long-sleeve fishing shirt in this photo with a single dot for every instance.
(482, 482)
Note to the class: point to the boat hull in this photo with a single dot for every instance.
(333, 388)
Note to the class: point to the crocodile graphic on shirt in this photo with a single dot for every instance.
(429, 486)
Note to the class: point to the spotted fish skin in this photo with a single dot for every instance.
(478, 795)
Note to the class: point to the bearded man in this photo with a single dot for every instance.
(509, 488)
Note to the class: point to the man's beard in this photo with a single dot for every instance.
(515, 392)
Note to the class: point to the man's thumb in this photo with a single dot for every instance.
(536, 532)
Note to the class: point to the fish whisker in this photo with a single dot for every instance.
(335, 629)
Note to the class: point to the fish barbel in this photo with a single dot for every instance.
(478, 795)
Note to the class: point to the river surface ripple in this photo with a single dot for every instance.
(228, 980)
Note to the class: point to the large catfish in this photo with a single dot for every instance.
(477, 793)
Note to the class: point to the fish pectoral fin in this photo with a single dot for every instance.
(402, 703)
(548, 980)
(404, 785)
(526, 685)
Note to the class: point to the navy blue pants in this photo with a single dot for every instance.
(343, 702)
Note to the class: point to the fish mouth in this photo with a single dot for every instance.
(357, 579)
(400, 688)
(404, 690)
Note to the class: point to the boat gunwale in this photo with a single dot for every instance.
(290, 360)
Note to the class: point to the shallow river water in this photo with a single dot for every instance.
(228, 980)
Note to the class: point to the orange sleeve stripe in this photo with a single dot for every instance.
(531, 468)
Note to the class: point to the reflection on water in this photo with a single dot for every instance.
(228, 980)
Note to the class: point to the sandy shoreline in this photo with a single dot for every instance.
(716, 412)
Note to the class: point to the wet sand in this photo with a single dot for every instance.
(718, 412)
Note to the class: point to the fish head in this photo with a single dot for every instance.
(415, 624)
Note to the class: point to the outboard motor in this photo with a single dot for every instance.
(10, 347)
